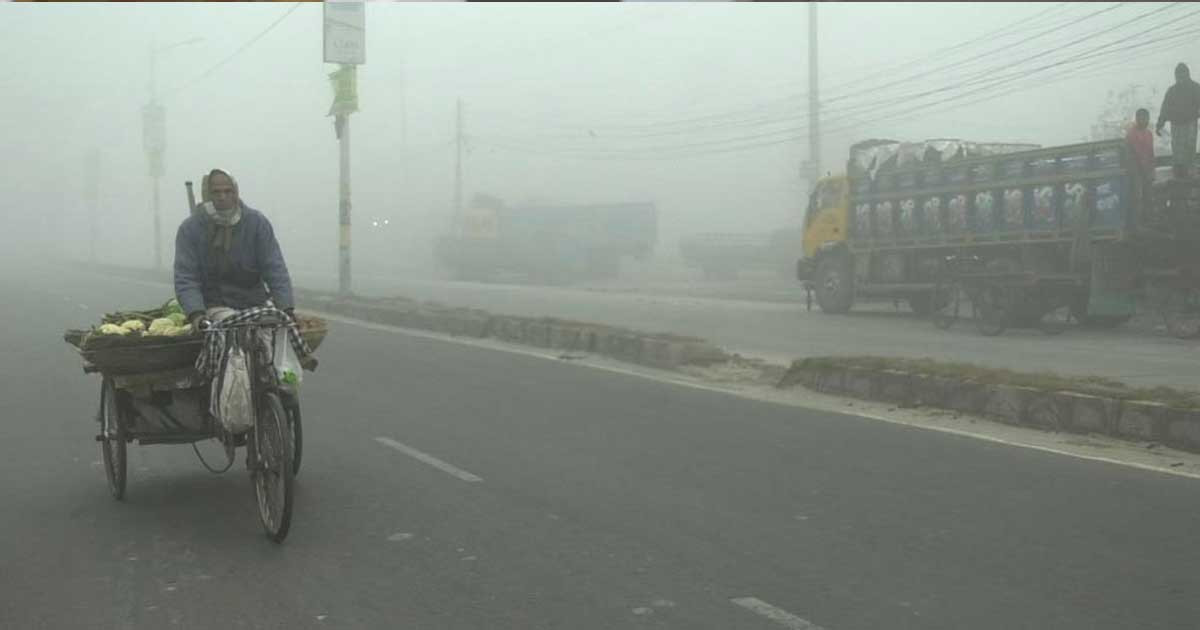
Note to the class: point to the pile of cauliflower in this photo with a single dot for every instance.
(169, 321)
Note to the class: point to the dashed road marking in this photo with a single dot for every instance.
(426, 458)
(778, 615)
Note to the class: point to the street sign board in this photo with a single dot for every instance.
(345, 32)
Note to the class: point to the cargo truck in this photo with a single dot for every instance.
(894, 223)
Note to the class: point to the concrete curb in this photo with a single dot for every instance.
(661, 351)
(1075, 412)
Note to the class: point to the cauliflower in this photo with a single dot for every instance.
(134, 325)
(166, 327)
(113, 329)
(180, 331)
(161, 326)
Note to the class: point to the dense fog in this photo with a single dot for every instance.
(698, 108)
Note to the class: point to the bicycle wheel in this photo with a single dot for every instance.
(297, 433)
(1055, 319)
(947, 302)
(112, 440)
(992, 309)
(272, 469)
(1181, 313)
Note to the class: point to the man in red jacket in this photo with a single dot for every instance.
(1141, 147)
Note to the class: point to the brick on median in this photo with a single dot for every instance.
(1142, 420)
(1183, 428)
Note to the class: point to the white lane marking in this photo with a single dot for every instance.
(430, 459)
(400, 536)
(778, 615)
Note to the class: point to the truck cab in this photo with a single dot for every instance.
(826, 218)
(825, 225)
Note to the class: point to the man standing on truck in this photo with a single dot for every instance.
(1141, 146)
(1181, 106)
(227, 257)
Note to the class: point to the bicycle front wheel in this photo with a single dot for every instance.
(947, 302)
(112, 442)
(272, 471)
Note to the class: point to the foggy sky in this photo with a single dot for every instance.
(77, 77)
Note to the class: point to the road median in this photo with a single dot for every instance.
(1038, 400)
(659, 350)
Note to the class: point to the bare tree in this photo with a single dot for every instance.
(1117, 115)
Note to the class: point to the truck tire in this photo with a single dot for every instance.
(835, 285)
(1022, 312)
(922, 304)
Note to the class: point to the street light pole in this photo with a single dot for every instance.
(155, 141)
(458, 144)
(155, 144)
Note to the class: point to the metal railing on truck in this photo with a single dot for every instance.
(1035, 195)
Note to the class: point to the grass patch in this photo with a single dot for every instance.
(1044, 381)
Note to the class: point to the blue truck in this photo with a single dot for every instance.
(552, 244)
(907, 216)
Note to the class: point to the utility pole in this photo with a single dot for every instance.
(814, 104)
(458, 143)
(154, 141)
(403, 96)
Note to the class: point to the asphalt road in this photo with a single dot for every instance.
(567, 497)
(759, 322)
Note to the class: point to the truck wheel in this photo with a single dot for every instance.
(835, 285)
(923, 304)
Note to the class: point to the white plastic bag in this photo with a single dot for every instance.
(287, 365)
(231, 402)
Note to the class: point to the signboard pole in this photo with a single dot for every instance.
(344, 44)
(344, 207)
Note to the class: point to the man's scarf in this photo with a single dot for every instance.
(220, 229)
(221, 222)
